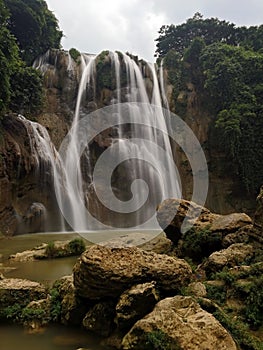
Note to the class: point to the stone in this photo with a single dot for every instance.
(240, 236)
(20, 291)
(234, 255)
(182, 324)
(197, 289)
(159, 245)
(172, 213)
(258, 218)
(135, 303)
(107, 272)
(100, 319)
(72, 308)
(42, 315)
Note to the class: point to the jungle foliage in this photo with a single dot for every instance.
(27, 29)
(225, 65)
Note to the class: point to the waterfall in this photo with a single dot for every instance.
(132, 150)
(134, 170)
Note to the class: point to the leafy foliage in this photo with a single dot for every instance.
(75, 54)
(210, 30)
(198, 244)
(224, 64)
(27, 29)
(158, 340)
(34, 26)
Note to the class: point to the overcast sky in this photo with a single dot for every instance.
(132, 25)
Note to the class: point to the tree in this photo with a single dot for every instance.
(180, 37)
(9, 58)
(34, 26)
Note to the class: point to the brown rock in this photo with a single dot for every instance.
(21, 291)
(100, 319)
(183, 324)
(135, 303)
(107, 272)
(234, 255)
(173, 213)
(72, 308)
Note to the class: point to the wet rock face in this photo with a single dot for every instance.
(107, 272)
(179, 321)
(25, 187)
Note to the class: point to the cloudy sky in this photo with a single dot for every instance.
(132, 25)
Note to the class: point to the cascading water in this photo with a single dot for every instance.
(139, 162)
(133, 151)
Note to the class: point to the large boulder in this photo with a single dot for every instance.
(135, 303)
(107, 272)
(173, 213)
(19, 292)
(178, 323)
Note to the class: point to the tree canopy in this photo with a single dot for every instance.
(34, 26)
(225, 64)
(27, 29)
(211, 30)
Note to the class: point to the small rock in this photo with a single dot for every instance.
(197, 289)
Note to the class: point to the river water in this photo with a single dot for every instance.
(55, 337)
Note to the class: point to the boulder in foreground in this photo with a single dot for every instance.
(103, 272)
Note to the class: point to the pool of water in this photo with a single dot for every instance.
(53, 338)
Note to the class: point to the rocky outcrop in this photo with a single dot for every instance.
(135, 303)
(72, 308)
(20, 291)
(234, 255)
(196, 232)
(173, 213)
(179, 323)
(107, 272)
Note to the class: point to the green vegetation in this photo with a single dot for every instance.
(198, 244)
(75, 247)
(27, 29)
(34, 26)
(239, 331)
(55, 306)
(75, 54)
(158, 340)
(224, 64)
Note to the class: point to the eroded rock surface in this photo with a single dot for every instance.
(183, 324)
(107, 272)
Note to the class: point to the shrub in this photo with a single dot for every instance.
(198, 244)
(75, 54)
(50, 250)
(76, 246)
